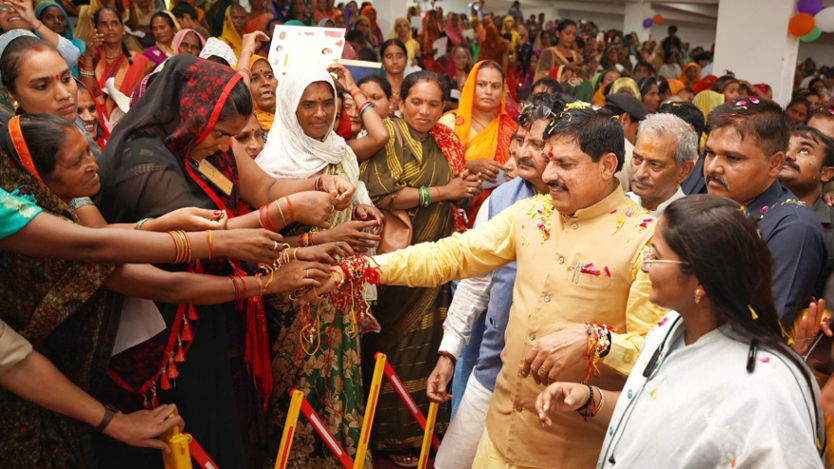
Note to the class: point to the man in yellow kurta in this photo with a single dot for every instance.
(578, 252)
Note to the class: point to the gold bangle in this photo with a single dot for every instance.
(281, 212)
(601, 400)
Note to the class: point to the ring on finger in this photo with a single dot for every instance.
(542, 371)
(306, 273)
(274, 245)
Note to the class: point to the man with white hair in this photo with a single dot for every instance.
(664, 154)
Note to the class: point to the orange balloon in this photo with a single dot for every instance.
(801, 24)
(657, 19)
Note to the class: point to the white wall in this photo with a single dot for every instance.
(821, 50)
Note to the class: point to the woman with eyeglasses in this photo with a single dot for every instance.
(715, 385)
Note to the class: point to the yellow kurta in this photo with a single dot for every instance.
(551, 293)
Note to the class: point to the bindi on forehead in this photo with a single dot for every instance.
(37, 48)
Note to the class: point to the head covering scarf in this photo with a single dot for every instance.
(675, 86)
(411, 44)
(214, 46)
(180, 36)
(453, 32)
(180, 108)
(265, 116)
(376, 32)
(628, 84)
(230, 35)
(81, 45)
(323, 22)
(708, 100)
(704, 83)
(686, 67)
(103, 131)
(158, 52)
(463, 115)
(289, 153)
(6, 38)
(492, 46)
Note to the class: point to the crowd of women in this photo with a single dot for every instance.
(207, 214)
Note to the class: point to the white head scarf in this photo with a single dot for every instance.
(219, 48)
(289, 153)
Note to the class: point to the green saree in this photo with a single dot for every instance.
(411, 318)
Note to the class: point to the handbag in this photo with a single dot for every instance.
(396, 230)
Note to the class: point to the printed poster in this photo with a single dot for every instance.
(292, 45)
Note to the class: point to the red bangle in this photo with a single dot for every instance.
(264, 211)
(237, 290)
(176, 247)
(289, 210)
(353, 95)
(243, 287)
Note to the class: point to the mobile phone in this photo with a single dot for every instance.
(500, 178)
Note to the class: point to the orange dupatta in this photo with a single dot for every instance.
(491, 142)
(21, 148)
(485, 143)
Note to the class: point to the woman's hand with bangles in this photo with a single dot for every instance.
(250, 245)
(560, 397)
(352, 233)
(340, 188)
(189, 219)
(364, 211)
(296, 275)
(312, 208)
(335, 281)
(326, 252)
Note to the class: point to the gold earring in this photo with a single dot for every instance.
(698, 295)
(15, 105)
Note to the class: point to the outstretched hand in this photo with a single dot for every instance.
(560, 397)
(809, 327)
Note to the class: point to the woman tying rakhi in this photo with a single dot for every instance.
(172, 151)
(318, 349)
(63, 305)
(483, 127)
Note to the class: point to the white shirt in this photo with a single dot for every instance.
(469, 303)
(702, 409)
(662, 206)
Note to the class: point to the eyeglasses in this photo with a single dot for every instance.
(650, 257)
